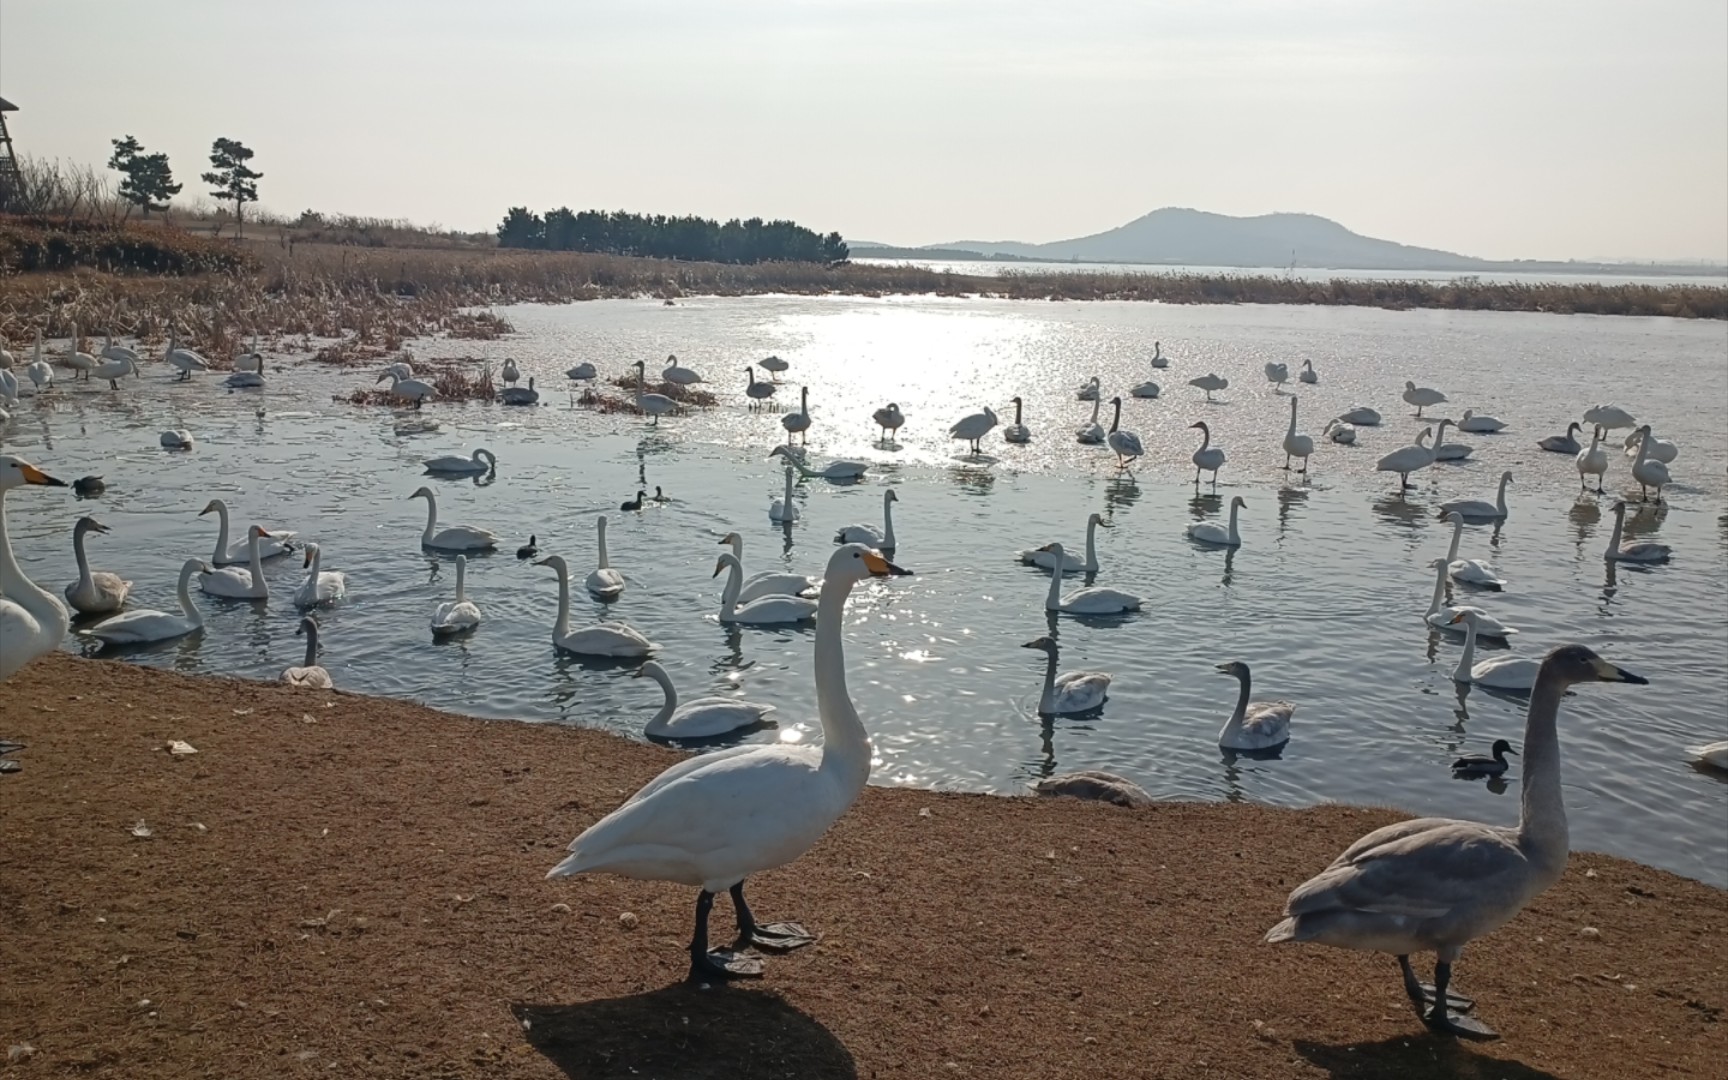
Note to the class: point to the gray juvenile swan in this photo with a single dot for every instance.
(1439, 883)
(1254, 725)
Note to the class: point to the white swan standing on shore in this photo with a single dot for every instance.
(1592, 460)
(455, 616)
(1209, 382)
(1209, 458)
(1421, 396)
(710, 821)
(96, 592)
(185, 360)
(1254, 725)
(703, 718)
(607, 639)
(1070, 692)
(1277, 375)
(32, 619)
(1295, 444)
(1094, 600)
(276, 542)
(798, 423)
(1436, 884)
(1126, 444)
(1408, 459)
(454, 537)
(974, 427)
(1648, 473)
(146, 625)
(1045, 559)
(757, 392)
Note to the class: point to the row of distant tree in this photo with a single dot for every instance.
(147, 181)
(660, 237)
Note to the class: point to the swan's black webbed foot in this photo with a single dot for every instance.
(1422, 994)
(723, 965)
(775, 937)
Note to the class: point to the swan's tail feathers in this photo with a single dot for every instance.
(571, 866)
(1284, 931)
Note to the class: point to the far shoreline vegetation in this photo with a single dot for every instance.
(83, 256)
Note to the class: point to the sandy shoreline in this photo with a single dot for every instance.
(345, 886)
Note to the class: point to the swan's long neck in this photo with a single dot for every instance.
(1205, 438)
(311, 645)
(787, 500)
(1047, 699)
(671, 703)
(601, 526)
(425, 537)
(1092, 543)
(845, 743)
(1053, 600)
(1016, 414)
(312, 570)
(1542, 821)
(1095, 407)
(84, 581)
(561, 627)
(736, 543)
(26, 593)
(1292, 430)
(461, 579)
(1462, 672)
(1234, 508)
(185, 590)
(258, 563)
(1457, 538)
(1233, 726)
(1500, 500)
(888, 520)
(1439, 590)
(734, 584)
(221, 555)
(804, 402)
(1643, 450)
(1619, 526)
(1116, 418)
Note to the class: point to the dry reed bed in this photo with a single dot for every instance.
(454, 378)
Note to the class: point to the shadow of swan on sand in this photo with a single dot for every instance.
(686, 1032)
(1417, 1056)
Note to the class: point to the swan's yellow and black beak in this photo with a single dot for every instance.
(1609, 673)
(33, 475)
(719, 565)
(881, 567)
(307, 561)
(262, 532)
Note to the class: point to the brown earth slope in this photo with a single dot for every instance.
(339, 886)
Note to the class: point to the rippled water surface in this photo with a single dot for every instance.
(1324, 599)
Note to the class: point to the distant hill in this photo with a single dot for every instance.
(1197, 238)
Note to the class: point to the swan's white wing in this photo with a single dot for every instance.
(1422, 869)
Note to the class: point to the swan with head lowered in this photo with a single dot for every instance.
(607, 639)
(1093, 600)
(1661, 450)
(784, 509)
(1070, 692)
(309, 675)
(710, 821)
(1436, 884)
(1296, 444)
(1480, 509)
(1421, 396)
(604, 583)
(275, 542)
(321, 586)
(455, 616)
(237, 583)
(147, 625)
(480, 463)
(1092, 432)
(1361, 415)
(1126, 444)
(1592, 460)
(1563, 444)
(869, 534)
(1340, 432)
(416, 390)
(96, 592)
(703, 718)
(1408, 459)
(1638, 551)
(32, 619)
(1210, 532)
(1649, 472)
(1017, 432)
(838, 469)
(764, 611)
(767, 582)
(1277, 374)
(1208, 458)
(184, 360)
(1045, 559)
(974, 427)
(452, 537)
(1609, 417)
(889, 419)
(1515, 673)
(1445, 616)
(1209, 383)
(1254, 725)
(113, 369)
(1088, 390)
(1469, 571)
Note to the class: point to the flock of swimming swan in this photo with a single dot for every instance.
(713, 820)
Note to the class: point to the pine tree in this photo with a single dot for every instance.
(148, 182)
(232, 180)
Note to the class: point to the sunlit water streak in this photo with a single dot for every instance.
(1323, 600)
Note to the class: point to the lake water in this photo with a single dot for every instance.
(989, 268)
(1324, 599)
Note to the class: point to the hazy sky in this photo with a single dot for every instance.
(1496, 128)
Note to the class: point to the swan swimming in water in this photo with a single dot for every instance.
(309, 675)
(607, 639)
(1017, 432)
(784, 509)
(1210, 532)
(869, 534)
(1254, 725)
(480, 463)
(1469, 571)
(1045, 559)
(454, 537)
(1563, 444)
(455, 616)
(1638, 551)
(703, 718)
(1516, 673)
(276, 542)
(1095, 600)
(32, 619)
(1445, 617)
(603, 582)
(96, 592)
(1070, 692)
(712, 820)
(1159, 360)
(1435, 884)
(234, 583)
(765, 611)
(321, 586)
(1480, 509)
(768, 582)
(146, 625)
(834, 470)
(416, 390)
